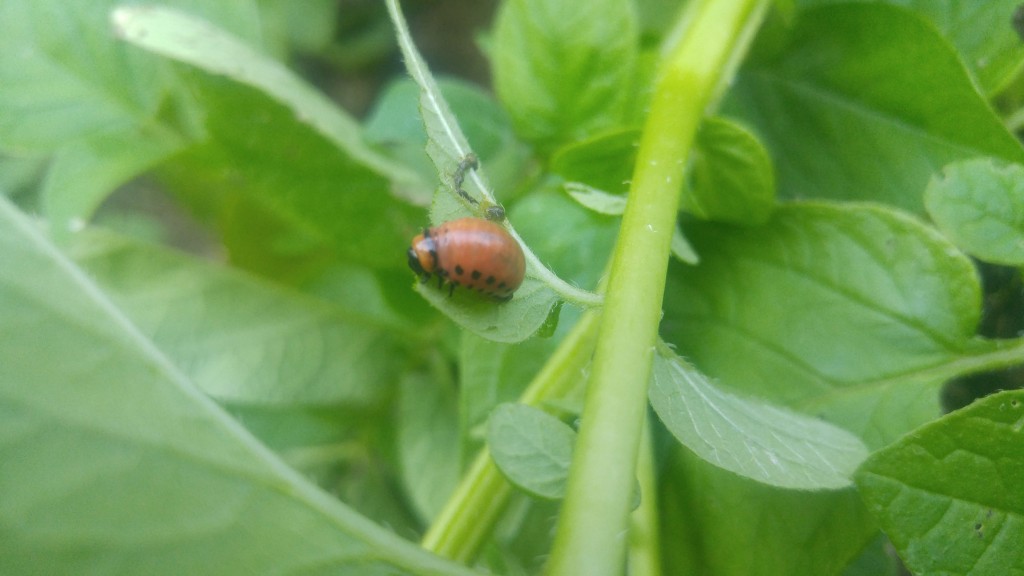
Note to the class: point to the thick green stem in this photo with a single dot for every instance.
(592, 528)
(469, 516)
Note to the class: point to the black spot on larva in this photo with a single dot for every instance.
(458, 270)
(502, 286)
(490, 280)
(476, 274)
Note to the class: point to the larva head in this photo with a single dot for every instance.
(423, 255)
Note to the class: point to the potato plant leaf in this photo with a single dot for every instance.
(235, 336)
(104, 440)
(268, 138)
(531, 448)
(979, 204)
(980, 31)
(597, 200)
(563, 73)
(866, 101)
(731, 178)
(429, 450)
(511, 321)
(751, 438)
(750, 528)
(74, 92)
(604, 161)
(857, 313)
(194, 41)
(954, 485)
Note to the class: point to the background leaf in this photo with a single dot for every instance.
(430, 452)
(597, 200)
(979, 204)
(731, 177)
(564, 73)
(952, 484)
(395, 124)
(749, 438)
(531, 448)
(733, 526)
(73, 80)
(105, 111)
(160, 480)
(194, 41)
(491, 373)
(850, 312)
(865, 101)
(604, 161)
(235, 336)
(83, 173)
(545, 214)
(980, 31)
(317, 175)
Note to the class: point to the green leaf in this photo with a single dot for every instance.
(597, 200)
(737, 527)
(857, 313)
(876, 559)
(866, 101)
(307, 27)
(979, 204)
(531, 448)
(85, 171)
(194, 41)
(105, 441)
(731, 178)
(446, 144)
(108, 111)
(429, 450)
(564, 73)
(948, 494)
(272, 140)
(750, 438)
(682, 249)
(491, 373)
(574, 241)
(604, 161)
(981, 32)
(72, 80)
(235, 336)
(396, 125)
(511, 321)
(19, 175)
(339, 450)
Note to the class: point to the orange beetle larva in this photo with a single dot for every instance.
(470, 252)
